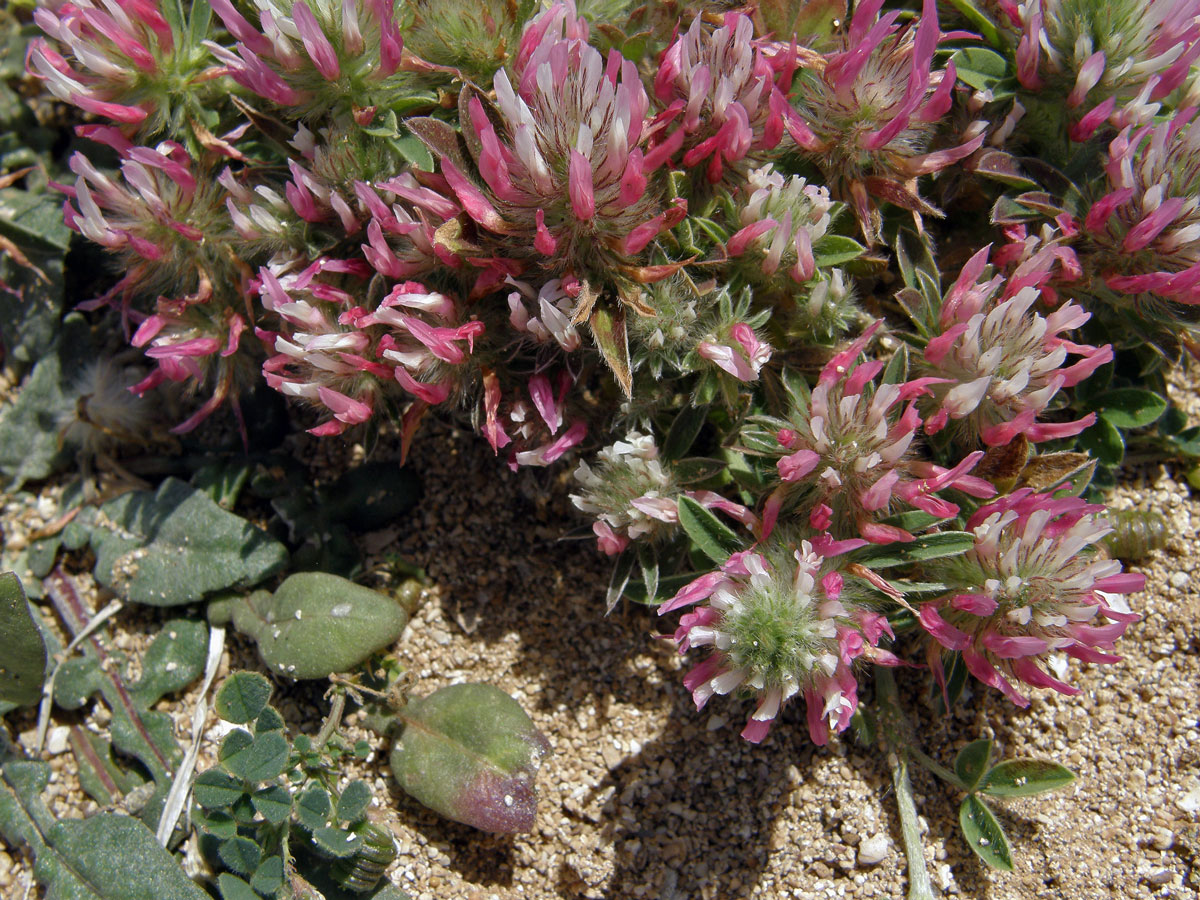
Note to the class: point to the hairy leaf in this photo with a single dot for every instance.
(712, 537)
(983, 833)
(242, 697)
(175, 546)
(470, 752)
(1025, 777)
(315, 624)
(972, 761)
(23, 665)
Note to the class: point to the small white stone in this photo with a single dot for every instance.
(873, 850)
(56, 740)
(1179, 579)
(716, 723)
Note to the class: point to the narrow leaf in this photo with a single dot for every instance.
(983, 834)
(608, 331)
(23, 665)
(929, 546)
(712, 537)
(1025, 777)
(683, 431)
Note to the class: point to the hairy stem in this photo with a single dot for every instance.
(336, 708)
(898, 734)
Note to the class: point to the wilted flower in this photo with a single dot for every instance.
(634, 494)
(783, 222)
(873, 108)
(722, 98)
(1111, 61)
(565, 177)
(1029, 589)
(106, 414)
(995, 364)
(780, 625)
(843, 453)
(532, 424)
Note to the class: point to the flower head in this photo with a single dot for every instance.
(873, 108)
(564, 182)
(1112, 61)
(122, 61)
(721, 97)
(994, 363)
(844, 452)
(634, 495)
(783, 222)
(1031, 587)
(1143, 234)
(317, 56)
(780, 624)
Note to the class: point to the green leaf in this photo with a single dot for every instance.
(316, 624)
(927, 546)
(1132, 407)
(983, 833)
(242, 697)
(714, 538)
(648, 563)
(696, 469)
(352, 804)
(314, 808)
(1025, 777)
(268, 877)
(33, 216)
(240, 855)
(30, 305)
(106, 856)
(336, 841)
(222, 481)
(371, 496)
(617, 582)
(972, 761)
(836, 249)
(233, 888)
(979, 67)
(29, 445)
(216, 790)
(174, 546)
(896, 370)
(608, 331)
(274, 803)
(1103, 441)
(23, 665)
(685, 427)
(470, 752)
(268, 720)
(264, 757)
(216, 822)
(174, 659)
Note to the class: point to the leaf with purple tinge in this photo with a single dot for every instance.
(470, 752)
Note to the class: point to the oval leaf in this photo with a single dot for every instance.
(1024, 777)
(1132, 407)
(470, 752)
(353, 803)
(242, 697)
(316, 624)
(972, 761)
(983, 834)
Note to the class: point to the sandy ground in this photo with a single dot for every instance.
(644, 797)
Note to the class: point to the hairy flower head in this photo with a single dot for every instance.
(1032, 586)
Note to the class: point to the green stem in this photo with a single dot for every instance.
(898, 735)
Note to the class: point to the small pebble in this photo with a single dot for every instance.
(1162, 876)
(1179, 579)
(56, 740)
(873, 850)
